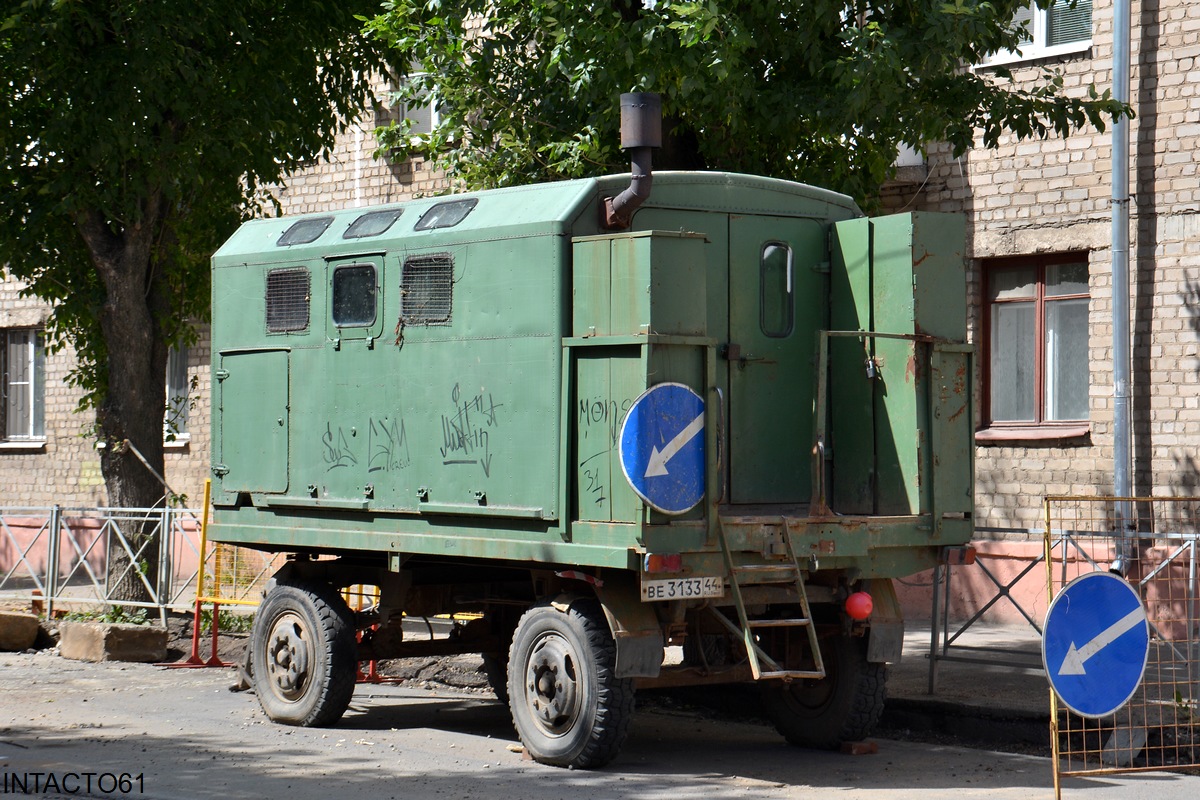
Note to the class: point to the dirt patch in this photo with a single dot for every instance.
(462, 672)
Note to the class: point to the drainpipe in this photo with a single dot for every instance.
(1122, 427)
(641, 132)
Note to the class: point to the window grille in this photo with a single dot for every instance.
(287, 300)
(426, 290)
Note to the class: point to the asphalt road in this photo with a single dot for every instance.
(187, 736)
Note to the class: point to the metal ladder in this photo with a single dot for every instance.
(787, 572)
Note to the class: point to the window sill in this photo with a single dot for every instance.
(24, 446)
(181, 443)
(1033, 433)
(1032, 53)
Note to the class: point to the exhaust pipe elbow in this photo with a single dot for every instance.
(641, 132)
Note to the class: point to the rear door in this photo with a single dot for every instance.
(777, 288)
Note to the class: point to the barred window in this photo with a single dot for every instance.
(22, 385)
(287, 300)
(426, 290)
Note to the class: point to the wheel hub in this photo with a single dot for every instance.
(288, 656)
(553, 687)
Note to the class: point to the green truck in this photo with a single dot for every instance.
(687, 441)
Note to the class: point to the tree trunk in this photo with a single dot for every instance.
(133, 399)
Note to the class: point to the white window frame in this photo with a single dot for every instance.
(1039, 32)
(33, 428)
(178, 398)
(419, 113)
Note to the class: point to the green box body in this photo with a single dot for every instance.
(458, 392)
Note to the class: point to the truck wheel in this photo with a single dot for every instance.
(843, 707)
(568, 707)
(304, 655)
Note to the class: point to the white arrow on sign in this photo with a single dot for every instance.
(1073, 661)
(657, 463)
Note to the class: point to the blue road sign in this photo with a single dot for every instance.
(1095, 643)
(662, 447)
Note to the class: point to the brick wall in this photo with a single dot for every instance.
(353, 176)
(1053, 195)
(65, 470)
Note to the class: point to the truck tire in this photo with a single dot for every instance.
(304, 655)
(568, 707)
(845, 706)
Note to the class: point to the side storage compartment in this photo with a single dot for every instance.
(253, 407)
(638, 320)
(900, 394)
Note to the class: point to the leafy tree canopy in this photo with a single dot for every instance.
(134, 134)
(821, 91)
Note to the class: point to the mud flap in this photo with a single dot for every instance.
(885, 641)
(634, 625)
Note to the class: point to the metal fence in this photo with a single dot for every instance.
(237, 575)
(60, 556)
(1004, 579)
(1159, 727)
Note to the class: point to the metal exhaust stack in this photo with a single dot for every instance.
(641, 132)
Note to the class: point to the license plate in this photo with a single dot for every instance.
(682, 588)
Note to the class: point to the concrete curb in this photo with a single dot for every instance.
(109, 641)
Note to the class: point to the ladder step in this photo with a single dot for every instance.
(798, 622)
(793, 674)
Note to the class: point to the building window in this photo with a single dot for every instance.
(413, 103)
(175, 422)
(1037, 340)
(23, 366)
(1065, 27)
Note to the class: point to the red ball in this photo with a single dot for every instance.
(859, 605)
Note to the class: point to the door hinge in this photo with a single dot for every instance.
(221, 374)
(220, 470)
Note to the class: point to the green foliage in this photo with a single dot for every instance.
(155, 121)
(822, 91)
(113, 614)
(227, 621)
